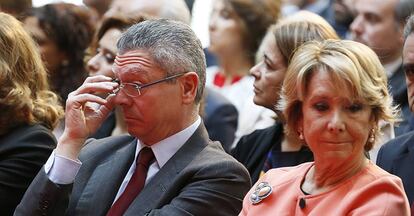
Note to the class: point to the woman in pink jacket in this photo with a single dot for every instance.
(333, 96)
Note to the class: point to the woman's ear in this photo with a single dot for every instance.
(189, 84)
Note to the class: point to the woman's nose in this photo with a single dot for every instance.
(93, 66)
(255, 71)
(336, 122)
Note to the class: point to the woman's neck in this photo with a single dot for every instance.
(290, 143)
(234, 66)
(323, 175)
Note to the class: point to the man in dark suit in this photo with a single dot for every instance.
(160, 70)
(220, 117)
(397, 156)
(379, 24)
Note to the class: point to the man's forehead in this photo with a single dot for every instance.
(408, 50)
(135, 60)
(375, 6)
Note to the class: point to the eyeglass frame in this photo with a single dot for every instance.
(139, 87)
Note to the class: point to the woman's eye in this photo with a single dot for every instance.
(225, 14)
(109, 58)
(269, 66)
(98, 50)
(355, 107)
(321, 106)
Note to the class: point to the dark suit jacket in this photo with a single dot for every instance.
(398, 89)
(252, 150)
(397, 157)
(220, 117)
(200, 179)
(23, 151)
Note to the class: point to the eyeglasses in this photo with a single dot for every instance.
(134, 90)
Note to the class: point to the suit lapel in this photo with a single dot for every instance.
(104, 183)
(154, 193)
(402, 167)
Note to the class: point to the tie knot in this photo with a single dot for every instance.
(145, 156)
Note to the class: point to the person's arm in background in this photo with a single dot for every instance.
(23, 152)
(45, 197)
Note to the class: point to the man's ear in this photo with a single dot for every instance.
(189, 84)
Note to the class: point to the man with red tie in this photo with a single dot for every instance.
(168, 165)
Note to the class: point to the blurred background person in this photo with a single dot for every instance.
(321, 7)
(397, 156)
(271, 147)
(343, 15)
(98, 6)
(168, 9)
(104, 50)
(29, 111)
(333, 96)
(236, 29)
(15, 7)
(379, 24)
(63, 32)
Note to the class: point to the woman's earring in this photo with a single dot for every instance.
(371, 138)
(301, 135)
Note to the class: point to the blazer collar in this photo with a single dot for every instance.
(103, 184)
(153, 193)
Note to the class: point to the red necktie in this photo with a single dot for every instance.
(135, 184)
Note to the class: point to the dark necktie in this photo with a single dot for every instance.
(135, 184)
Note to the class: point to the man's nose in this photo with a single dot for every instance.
(120, 98)
(356, 26)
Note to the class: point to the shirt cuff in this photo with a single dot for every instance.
(61, 170)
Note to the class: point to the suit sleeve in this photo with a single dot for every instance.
(380, 161)
(222, 125)
(23, 154)
(44, 197)
(215, 190)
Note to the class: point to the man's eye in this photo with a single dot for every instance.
(409, 70)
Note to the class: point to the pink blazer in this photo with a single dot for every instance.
(372, 191)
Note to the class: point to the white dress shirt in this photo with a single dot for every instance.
(163, 151)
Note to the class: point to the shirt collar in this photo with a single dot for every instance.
(166, 148)
(392, 67)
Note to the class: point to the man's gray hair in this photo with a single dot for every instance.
(409, 27)
(172, 45)
(403, 10)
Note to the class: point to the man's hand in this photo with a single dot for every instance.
(84, 113)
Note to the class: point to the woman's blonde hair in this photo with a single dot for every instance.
(351, 65)
(24, 90)
(293, 31)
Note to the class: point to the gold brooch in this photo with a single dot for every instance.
(262, 190)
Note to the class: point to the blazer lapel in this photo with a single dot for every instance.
(154, 192)
(103, 185)
(402, 167)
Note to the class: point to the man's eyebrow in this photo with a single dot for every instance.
(408, 65)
